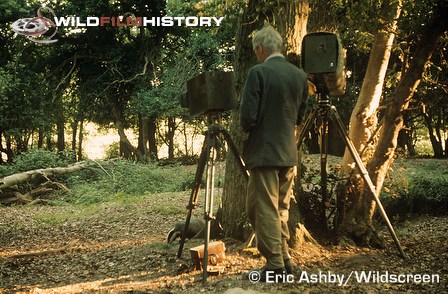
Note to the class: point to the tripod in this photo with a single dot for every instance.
(327, 111)
(210, 147)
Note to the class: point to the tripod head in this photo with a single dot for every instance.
(323, 100)
(212, 118)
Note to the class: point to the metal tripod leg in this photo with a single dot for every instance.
(312, 117)
(194, 193)
(323, 163)
(233, 149)
(209, 195)
(307, 126)
(207, 159)
(365, 176)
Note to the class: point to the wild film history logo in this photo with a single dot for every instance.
(35, 28)
(38, 28)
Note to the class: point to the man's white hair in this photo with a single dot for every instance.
(267, 38)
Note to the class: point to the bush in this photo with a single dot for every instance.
(429, 195)
(423, 196)
(127, 179)
(36, 159)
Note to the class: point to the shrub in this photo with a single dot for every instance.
(423, 196)
(127, 178)
(36, 159)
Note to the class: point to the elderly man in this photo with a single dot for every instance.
(273, 103)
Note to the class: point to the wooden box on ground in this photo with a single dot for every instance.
(216, 254)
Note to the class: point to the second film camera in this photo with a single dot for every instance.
(210, 92)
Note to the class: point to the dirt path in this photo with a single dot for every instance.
(121, 248)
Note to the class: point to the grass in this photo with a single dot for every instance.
(417, 186)
(118, 209)
(123, 180)
(413, 185)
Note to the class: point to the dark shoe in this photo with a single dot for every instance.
(265, 275)
(288, 266)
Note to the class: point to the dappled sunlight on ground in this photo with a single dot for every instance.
(111, 258)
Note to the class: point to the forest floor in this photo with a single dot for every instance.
(119, 247)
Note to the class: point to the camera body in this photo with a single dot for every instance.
(323, 59)
(212, 91)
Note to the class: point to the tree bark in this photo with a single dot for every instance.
(351, 220)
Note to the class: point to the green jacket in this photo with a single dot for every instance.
(273, 102)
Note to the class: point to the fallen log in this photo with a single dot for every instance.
(31, 175)
(9, 185)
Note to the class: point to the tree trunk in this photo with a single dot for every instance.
(435, 143)
(8, 185)
(350, 221)
(446, 148)
(405, 136)
(152, 131)
(393, 119)
(148, 138)
(125, 144)
(234, 219)
(2, 150)
(49, 141)
(40, 138)
(185, 132)
(80, 139)
(290, 18)
(142, 140)
(60, 125)
(74, 135)
(170, 137)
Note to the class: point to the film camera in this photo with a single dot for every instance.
(210, 92)
(323, 59)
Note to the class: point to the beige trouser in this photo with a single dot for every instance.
(267, 206)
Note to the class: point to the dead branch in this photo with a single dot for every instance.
(11, 195)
